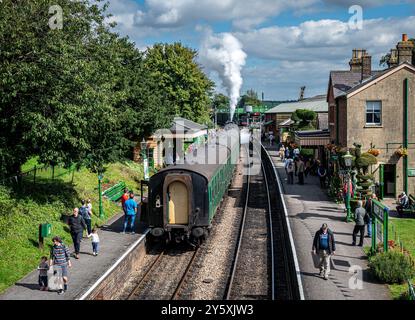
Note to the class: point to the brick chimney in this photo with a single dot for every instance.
(405, 48)
(356, 61)
(366, 66)
(393, 61)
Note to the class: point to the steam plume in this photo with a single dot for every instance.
(223, 53)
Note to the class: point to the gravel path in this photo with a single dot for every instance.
(252, 276)
(209, 276)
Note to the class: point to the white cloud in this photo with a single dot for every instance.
(243, 14)
(305, 54)
(324, 39)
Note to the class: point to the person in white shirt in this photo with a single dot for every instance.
(95, 241)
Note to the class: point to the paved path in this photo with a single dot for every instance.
(309, 207)
(85, 271)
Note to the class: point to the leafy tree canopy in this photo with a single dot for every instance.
(186, 88)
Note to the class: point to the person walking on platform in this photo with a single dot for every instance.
(289, 167)
(131, 210)
(300, 171)
(124, 198)
(368, 207)
(360, 215)
(59, 257)
(282, 153)
(77, 225)
(324, 246)
(84, 213)
(322, 174)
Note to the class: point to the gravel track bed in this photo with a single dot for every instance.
(252, 276)
(209, 274)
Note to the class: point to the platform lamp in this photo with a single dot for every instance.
(348, 158)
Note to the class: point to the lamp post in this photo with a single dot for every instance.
(101, 209)
(348, 158)
(143, 145)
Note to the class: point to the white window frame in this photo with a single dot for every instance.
(373, 124)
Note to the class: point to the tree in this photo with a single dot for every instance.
(186, 89)
(249, 99)
(58, 87)
(303, 119)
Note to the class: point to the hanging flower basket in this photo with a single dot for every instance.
(401, 152)
(374, 152)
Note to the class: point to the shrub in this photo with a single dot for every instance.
(391, 267)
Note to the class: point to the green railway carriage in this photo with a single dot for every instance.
(183, 199)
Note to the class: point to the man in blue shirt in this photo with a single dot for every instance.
(325, 246)
(130, 207)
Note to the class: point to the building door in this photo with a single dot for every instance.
(389, 180)
(178, 203)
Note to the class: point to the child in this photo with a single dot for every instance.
(43, 273)
(95, 241)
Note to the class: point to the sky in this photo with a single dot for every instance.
(288, 44)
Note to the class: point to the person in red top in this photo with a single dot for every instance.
(124, 198)
(347, 186)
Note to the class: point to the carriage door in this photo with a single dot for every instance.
(178, 203)
(178, 199)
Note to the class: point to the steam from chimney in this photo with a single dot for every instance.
(223, 53)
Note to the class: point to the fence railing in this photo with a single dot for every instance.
(38, 174)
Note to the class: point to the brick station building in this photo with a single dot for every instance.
(378, 108)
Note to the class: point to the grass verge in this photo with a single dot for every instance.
(22, 210)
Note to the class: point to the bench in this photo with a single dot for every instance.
(115, 192)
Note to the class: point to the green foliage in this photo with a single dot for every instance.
(366, 160)
(220, 101)
(304, 119)
(186, 89)
(83, 94)
(249, 99)
(21, 213)
(391, 267)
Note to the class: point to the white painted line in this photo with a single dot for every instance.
(296, 264)
(99, 281)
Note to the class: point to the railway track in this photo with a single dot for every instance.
(262, 266)
(161, 280)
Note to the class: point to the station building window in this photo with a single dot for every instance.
(374, 113)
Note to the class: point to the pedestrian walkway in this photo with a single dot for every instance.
(85, 271)
(308, 208)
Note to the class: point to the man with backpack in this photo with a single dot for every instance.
(86, 215)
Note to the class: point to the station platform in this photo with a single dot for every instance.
(86, 271)
(308, 208)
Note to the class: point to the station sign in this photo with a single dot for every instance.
(380, 218)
